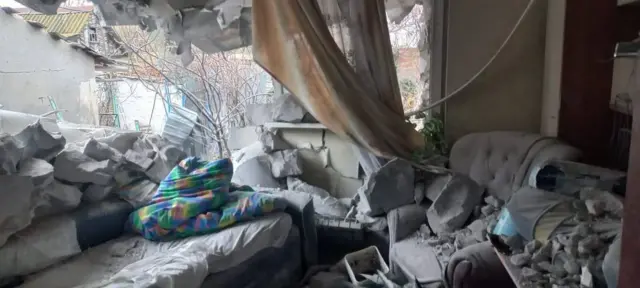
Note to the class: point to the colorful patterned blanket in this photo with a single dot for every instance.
(197, 197)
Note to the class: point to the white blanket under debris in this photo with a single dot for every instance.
(131, 261)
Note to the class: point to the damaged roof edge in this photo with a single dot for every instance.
(99, 59)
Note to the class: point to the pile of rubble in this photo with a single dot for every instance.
(572, 257)
(445, 243)
(272, 164)
(44, 177)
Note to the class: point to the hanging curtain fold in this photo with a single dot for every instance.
(348, 83)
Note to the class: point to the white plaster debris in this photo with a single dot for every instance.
(138, 160)
(272, 142)
(285, 163)
(101, 151)
(73, 166)
(390, 187)
(586, 278)
(455, 204)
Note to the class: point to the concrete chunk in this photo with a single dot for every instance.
(520, 259)
(295, 184)
(10, 154)
(478, 230)
(39, 171)
(36, 142)
(73, 166)
(57, 198)
(137, 160)
(15, 205)
(586, 278)
(286, 109)
(388, 188)
(285, 163)
(100, 151)
(272, 142)
(455, 204)
(139, 193)
(166, 158)
(96, 193)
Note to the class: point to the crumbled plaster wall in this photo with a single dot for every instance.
(35, 66)
(328, 161)
(508, 95)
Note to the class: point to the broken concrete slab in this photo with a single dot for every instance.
(57, 198)
(543, 254)
(137, 160)
(96, 193)
(520, 259)
(10, 154)
(272, 142)
(35, 141)
(139, 193)
(39, 171)
(166, 158)
(287, 109)
(435, 187)
(15, 205)
(73, 166)
(121, 141)
(455, 204)
(285, 163)
(255, 172)
(532, 246)
(388, 188)
(100, 151)
(404, 221)
(295, 184)
(478, 230)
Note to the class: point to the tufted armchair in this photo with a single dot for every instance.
(501, 162)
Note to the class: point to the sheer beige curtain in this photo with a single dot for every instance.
(335, 57)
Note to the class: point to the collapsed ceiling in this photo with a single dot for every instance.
(211, 25)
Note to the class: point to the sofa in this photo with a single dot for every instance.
(271, 251)
(501, 162)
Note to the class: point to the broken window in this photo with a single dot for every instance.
(92, 35)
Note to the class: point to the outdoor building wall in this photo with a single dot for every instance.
(508, 95)
(34, 66)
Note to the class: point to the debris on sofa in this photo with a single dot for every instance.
(455, 203)
(390, 187)
(574, 255)
(45, 177)
(323, 203)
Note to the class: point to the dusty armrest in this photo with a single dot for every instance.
(300, 207)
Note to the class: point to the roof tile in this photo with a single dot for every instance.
(64, 24)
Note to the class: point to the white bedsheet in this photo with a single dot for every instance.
(131, 261)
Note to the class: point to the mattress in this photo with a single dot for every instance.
(132, 261)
